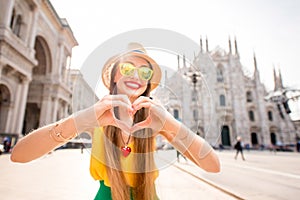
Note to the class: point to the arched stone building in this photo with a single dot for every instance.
(36, 47)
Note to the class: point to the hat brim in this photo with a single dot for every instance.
(106, 71)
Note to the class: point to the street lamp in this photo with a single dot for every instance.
(194, 77)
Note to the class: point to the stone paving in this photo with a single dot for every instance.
(64, 175)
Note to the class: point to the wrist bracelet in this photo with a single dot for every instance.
(57, 136)
(185, 138)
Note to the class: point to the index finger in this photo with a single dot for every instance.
(119, 97)
(141, 99)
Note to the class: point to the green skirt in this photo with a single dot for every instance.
(104, 193)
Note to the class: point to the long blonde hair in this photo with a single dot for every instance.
(143, 145)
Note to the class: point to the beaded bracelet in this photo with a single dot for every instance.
(58, 137)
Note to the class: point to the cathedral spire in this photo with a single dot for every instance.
(255, 63)
(229, 43)
(256, 72)
(184, 63)
(201, 45)
(274, 76)
(206, 44)
(235, 46)
(280, 79)
(178, 62)
(278, 85)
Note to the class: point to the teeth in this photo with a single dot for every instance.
(133, 85)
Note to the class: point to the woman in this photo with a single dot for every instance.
(123, 126)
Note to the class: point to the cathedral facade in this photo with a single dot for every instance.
(213, 96)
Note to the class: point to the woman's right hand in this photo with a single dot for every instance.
(102, 114)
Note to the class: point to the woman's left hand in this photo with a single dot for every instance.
(157, 118)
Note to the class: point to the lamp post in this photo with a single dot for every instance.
(194, 77)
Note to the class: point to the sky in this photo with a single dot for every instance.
(268, 28)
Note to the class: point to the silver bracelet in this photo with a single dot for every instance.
(57, 136)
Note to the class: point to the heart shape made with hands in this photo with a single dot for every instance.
(156, 116)
(125, 122)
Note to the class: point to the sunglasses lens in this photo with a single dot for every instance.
(145, 73)
(127, 69)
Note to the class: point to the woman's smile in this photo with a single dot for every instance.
(132, 85)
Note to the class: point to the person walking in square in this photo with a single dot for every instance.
(239, 148)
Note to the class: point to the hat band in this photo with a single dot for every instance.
(138, 51)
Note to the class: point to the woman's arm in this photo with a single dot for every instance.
(41, 141)
(191, 145)
(181, 137)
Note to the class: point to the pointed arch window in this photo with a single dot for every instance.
(220, 77)
(222, 100)
(12, 20)
(195, 114)
(249, 96)
(17, 27)
(176, 114)
(270, 115)
(16, 22)
(251, 116)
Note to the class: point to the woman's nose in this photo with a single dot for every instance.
(136, 74)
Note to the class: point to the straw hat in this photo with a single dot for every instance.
(133, 49)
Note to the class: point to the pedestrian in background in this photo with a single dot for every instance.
(239, 148)
(6, 144)
(178, 154)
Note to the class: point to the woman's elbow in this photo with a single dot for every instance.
(215, 168)
(14, 157)
(18, 157)
(212, 164)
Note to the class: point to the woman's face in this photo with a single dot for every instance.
(132, 85)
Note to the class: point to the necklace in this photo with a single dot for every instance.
(126, 149)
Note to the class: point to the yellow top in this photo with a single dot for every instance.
(98, 166)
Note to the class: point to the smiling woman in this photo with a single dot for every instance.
(123, 126)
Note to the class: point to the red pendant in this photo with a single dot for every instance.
(126, 151)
